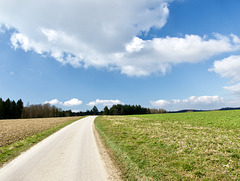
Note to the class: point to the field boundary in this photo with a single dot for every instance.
(120, 159)
(113, 170)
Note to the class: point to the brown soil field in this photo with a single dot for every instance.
(12, 130)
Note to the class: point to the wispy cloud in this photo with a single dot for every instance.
(234, 89)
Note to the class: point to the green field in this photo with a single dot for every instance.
(183, 146)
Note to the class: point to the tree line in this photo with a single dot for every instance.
(14, 110)
(47, 110)
(125, 110)
(10, 109)
(120, 109)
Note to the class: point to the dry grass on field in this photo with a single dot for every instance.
(12, 130)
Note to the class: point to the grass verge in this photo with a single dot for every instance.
(9, 152)
(186, 146)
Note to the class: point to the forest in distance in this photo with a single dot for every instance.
(11, 109)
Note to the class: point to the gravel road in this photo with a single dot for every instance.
(70, 154)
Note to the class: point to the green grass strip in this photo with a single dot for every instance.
(9, 152)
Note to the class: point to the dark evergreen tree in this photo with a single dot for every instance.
(13, 109)
(19, 108)
(106, 111)
(95, 110)
(7, 109)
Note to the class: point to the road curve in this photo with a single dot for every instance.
(70, 154)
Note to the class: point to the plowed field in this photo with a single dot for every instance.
(12, 130)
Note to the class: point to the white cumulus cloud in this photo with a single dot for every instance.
(106, 33)
(143, 57)
(69, 103)
(72, 102)
(159, 103)
(104, 102)
(228, 67)
(53, 102)
(193, 102)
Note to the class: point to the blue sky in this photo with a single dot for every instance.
(176, 54)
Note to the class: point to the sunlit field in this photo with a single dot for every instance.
(200, 146)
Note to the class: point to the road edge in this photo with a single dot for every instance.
(113, 171)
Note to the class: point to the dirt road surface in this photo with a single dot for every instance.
(70, 154)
